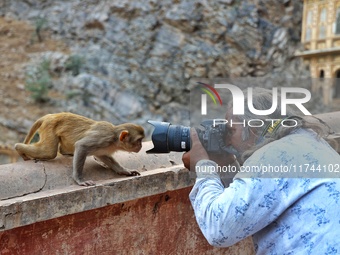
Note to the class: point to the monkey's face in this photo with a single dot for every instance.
(132, 143)
(136, 146)
(136, 137)
(131, 138)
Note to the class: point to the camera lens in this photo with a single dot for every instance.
(179, 138)
(167, 137)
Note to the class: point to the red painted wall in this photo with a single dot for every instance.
(159, 224)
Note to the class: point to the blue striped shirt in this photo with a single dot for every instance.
(283, 214)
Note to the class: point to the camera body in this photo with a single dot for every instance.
(167, 137)
(212, 136)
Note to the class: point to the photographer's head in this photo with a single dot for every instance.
(248, 132)
(246, 139)
(242, 135)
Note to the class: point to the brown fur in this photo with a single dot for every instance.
(80, 136)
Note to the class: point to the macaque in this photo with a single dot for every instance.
(80, 137)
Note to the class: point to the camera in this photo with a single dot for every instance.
(167, 137)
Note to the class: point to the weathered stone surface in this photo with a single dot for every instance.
(19, 179)
(67, 200)
(31, 192)
(28, 177)
(139, 57)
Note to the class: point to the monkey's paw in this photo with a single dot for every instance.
(86, 183)
(133, 173)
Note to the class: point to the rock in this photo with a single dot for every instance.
(141, 55)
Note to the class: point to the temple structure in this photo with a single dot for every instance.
(321, 40)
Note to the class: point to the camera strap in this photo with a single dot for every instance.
(271, 128)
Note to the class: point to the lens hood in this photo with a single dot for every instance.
(159, 137)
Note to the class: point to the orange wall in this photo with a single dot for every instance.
(159, 224)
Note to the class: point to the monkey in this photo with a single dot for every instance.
(78, 136)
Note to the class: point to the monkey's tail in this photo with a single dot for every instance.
(33, 130)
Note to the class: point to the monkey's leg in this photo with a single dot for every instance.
(64, 152)
(114, 165)
(80, 154)
(42, 150)
(20, 150)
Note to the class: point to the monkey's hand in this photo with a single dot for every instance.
(110, 162)
(81, 182)
(132, 173)
(86, 183)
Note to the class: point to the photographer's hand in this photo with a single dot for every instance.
(224, 159)
(196, 153)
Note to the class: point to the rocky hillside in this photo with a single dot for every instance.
(17, 109)
(126, 60)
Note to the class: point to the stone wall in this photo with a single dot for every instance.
(158, 224)
(42, 210)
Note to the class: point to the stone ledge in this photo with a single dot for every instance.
(33, 192)
(55, 203)
(28, 177)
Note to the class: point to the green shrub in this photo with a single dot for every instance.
(40, 24)
(74, 64)
(39, 82)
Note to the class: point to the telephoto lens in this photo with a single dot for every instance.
(167, 137)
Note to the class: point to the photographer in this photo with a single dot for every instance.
(284, 215)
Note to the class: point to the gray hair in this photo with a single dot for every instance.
(263, 100)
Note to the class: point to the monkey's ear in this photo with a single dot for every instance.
(123, 135)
